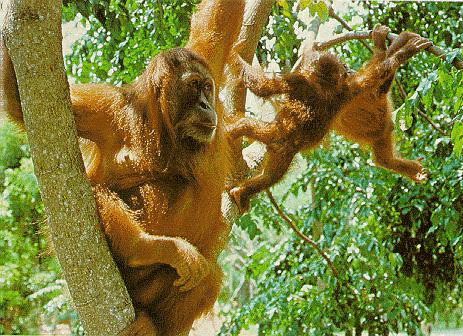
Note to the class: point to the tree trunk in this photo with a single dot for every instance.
(32, 33)
(256, 13)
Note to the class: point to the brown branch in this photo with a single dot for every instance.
(353, 35)
(365, 35)
(161, 15)
(300, 234)
(343, 23)
(432, 49)
(433, 125)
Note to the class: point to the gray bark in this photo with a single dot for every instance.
(256, 13)
(32, 32)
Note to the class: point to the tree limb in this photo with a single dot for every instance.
(256, 13)
(365, 35)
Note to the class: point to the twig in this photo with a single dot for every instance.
(301, 235)
(403, 95)
(433, 125)
(343, 23)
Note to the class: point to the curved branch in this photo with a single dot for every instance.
(402, 93)
(353, 35)
(365, 35)
(301, 235)
(343, 23)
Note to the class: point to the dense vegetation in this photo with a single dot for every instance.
(396, 245)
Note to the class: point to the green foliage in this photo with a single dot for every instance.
(279, 42)
(12, 148)
(123, 35)
(316, 8)
(439, 22)
(396, 245)
(25, 269)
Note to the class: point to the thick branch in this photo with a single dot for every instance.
(33, 36)
(256, 13)
(255, 16)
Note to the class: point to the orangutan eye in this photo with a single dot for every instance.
(208, 87)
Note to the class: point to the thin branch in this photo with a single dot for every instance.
(300, 234)
(365, 35)
(433, 125)
(403, 95)
(353, 35)
(432, 49)
(343, 23)
(161, 15)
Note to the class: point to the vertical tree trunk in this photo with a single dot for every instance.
(256, 13)
(32, 33)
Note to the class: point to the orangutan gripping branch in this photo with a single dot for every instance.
(321, 95)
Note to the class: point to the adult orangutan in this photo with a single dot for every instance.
(157, 158)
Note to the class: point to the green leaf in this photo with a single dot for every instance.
(457, 137)
(283, 4)
(322, 11)
(459, 102)
(83, 7)
(445, 79)
(287, 13)
(305, 3)
(452, 228)
(436, 218)
(450, 56)
(403, 114)
(428, 98)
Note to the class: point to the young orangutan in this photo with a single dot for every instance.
(321, 95)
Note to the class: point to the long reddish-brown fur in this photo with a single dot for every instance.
(157, 156)
(321, 95)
